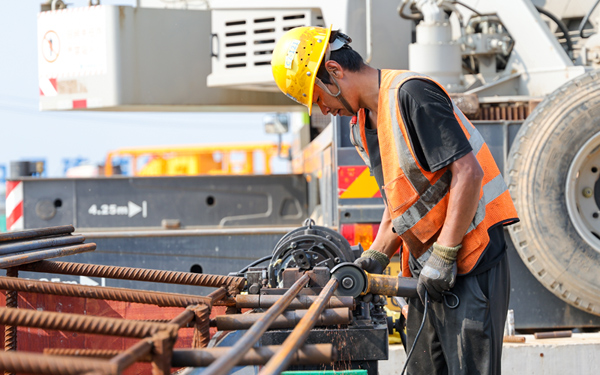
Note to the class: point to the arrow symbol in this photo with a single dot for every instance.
(84, 280)
(133, 209)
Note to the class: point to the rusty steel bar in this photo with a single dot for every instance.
(34, 363)
(288, 319)
(302, 302)
(138, 274)
(217, 295)
(33, 233)
(40, 244)
(162, 299)
(223, 365)
(36, 255)
(134, 353)
(143, 348)
(162, 352)
(12, 302)
(281, 360)
(201, 326)
(93, 353)
(306, 355)
(82, 323)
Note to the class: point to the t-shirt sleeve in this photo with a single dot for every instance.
(436, 136)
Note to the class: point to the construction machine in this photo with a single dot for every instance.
(524, 71)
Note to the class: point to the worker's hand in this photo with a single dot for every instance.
(439, 273)
(373, 261)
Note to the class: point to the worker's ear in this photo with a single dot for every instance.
(334, 69)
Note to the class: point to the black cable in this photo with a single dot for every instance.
(561, 26)
(418, 333)
(585, 19)
(267, 257)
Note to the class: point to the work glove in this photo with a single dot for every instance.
(372, 261)
(439, 273)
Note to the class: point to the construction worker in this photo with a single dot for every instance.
(446, 201)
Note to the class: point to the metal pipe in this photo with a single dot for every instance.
(33, 233)
(280, 361)
(33, 256)
(307, 355)
(34, 363)
(138, 274)
(223, 365)
(83, 323)
(40, 244)
(302, 302)
(288, 319)
(369, 27)
(99, 292)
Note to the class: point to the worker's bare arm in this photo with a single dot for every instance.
(386, 241)
(465, 190)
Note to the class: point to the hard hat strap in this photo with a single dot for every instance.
(339, 95)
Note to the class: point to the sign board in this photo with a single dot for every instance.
(72, 42)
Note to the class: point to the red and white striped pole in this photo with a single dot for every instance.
(14, 205)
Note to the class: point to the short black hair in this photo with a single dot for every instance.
(348, 59)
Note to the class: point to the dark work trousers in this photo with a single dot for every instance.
(467, 339)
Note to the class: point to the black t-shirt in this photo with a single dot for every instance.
(437, 140)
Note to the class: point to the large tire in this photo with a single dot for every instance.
(553, 164)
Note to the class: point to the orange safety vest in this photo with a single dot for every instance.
(417, 200)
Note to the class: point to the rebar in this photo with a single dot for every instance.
(223, 365)
(40, 244)
(33, 233)
(162, 299)
(134, 353)
(34, 363)
(36, 255)
(83, 323)
(306, 355)
(93, 353)
(143, 347)
(138, 274)
(12, 301)
(288, 319)
(302, 302)
(217, 295)
(162, 352)
(281, 360)
(201, 326)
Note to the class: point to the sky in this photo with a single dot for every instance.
(28, 134)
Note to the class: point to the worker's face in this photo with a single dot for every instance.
(329, 104)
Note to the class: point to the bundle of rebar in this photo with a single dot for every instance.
(28, 246)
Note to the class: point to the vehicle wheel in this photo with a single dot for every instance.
(554, 180)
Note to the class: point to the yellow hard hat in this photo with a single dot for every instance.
(296, 60)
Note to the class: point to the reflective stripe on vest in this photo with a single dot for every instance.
(418, 199)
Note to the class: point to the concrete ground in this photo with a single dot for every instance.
(579, 355)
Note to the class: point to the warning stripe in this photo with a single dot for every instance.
(14, 205)
(48, 87)
(356, 182)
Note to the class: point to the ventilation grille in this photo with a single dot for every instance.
(245, 39)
